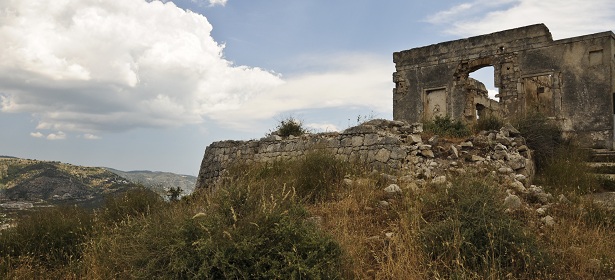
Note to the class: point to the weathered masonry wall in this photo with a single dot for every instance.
(386, 145)
(381, 144)
(571, 81)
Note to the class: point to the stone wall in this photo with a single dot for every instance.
(383, 145)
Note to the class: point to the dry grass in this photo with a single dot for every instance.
(360, 225)
(584, 249)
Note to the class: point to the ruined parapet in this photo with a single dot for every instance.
(378, 143)
(384, 145)
(570, 81)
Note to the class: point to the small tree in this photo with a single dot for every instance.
(174, 193)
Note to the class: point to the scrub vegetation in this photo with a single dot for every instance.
(320, 218)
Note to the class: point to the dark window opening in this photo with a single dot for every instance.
(480, 111)
(540, 90)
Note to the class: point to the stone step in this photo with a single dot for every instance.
(602, 155)
(602, 167)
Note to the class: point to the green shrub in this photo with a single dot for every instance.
(445, 126)
(261, 235)
(489, 123)
(290, 126)
(467, 234)
(242, 233)
(49, 237)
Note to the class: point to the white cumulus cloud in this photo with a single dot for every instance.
(36, 134)
(90, 66)
(565, 18)
(89, 136)
(56, 136)
(217, 2)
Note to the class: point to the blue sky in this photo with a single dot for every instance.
(137, 84)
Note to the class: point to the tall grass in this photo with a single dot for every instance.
(566, 171)
(45, 241)
(467, 234)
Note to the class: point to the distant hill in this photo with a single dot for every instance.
(158, 181)
(55, 182)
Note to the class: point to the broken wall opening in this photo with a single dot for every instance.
(485, 96)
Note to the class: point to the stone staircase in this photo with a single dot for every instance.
(602, 163)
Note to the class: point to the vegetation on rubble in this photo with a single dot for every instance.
(445, 126)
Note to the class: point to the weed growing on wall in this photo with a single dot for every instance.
(290, 126)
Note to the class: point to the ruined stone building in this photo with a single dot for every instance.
(571, 81)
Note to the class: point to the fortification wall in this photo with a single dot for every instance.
(383, 145)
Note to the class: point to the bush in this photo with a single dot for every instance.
(445, 126)
(266, 243)
(290, 126)
(242, 233)
(467, 234)
(488, 123)
(542, 136)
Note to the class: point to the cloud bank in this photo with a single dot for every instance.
(565, 18)
(89, 67)
(92, 66)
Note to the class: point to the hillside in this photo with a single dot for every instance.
(158, 181)
(51, 181)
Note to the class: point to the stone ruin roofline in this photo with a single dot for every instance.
(516, 39)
